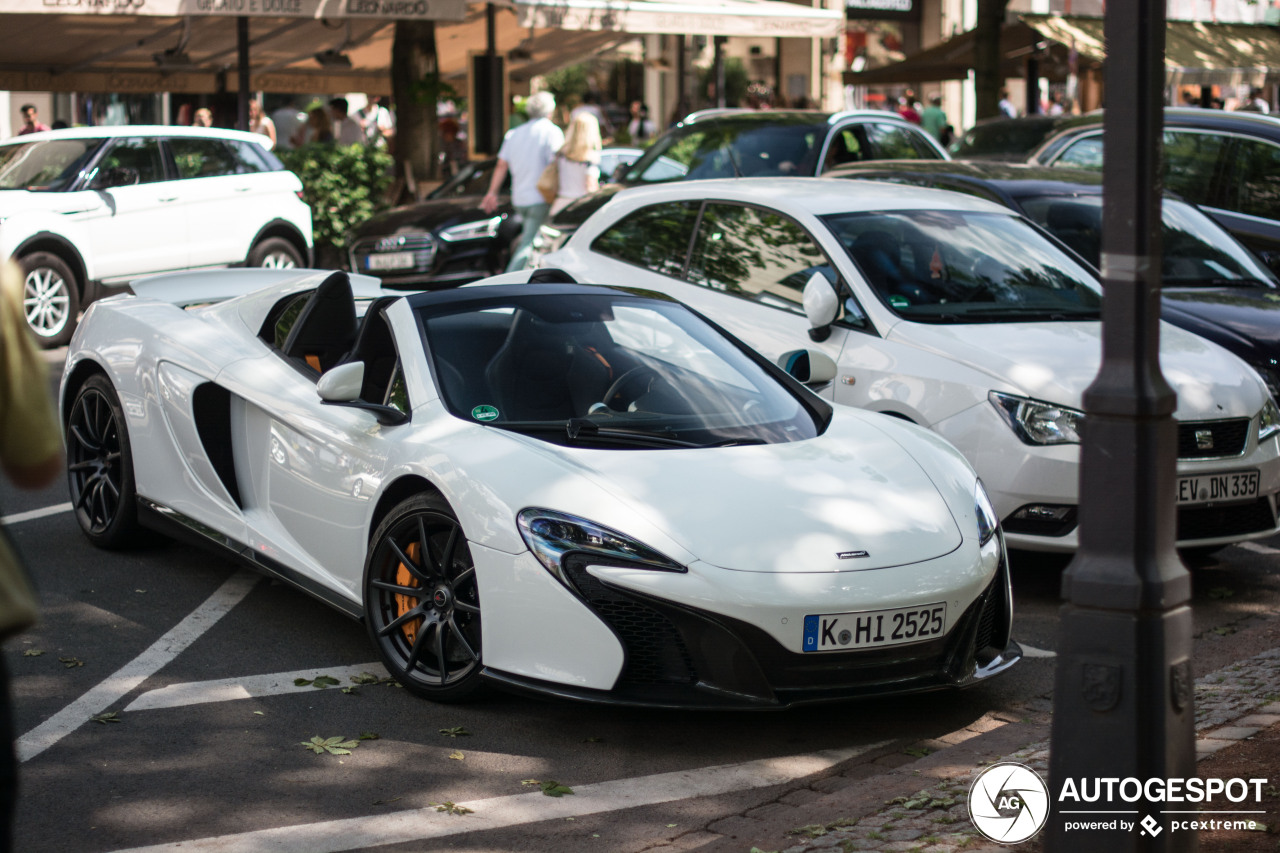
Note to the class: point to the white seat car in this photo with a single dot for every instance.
(953, 313)
(85, 210)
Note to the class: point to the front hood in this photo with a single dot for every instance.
(1245, 320)
(781, 508)
(428, 216)
(1056, 362)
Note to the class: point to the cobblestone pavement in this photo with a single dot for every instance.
(913, 798)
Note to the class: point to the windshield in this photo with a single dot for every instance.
(605, 370)
(471, 179)
(49, 166)
(961, 267)
(1196, 251)
(730, 150)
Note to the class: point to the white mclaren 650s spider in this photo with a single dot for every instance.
(585, 491)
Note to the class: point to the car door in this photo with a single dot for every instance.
(228, 195)
(140, 224)
(745, 267)
(312, 469)
(1250, 208)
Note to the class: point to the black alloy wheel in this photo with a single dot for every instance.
(422, 600)
(100, 466)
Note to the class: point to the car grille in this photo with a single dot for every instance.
(656, 651)
(423, 247)
(1209, 439)
(1211, 522)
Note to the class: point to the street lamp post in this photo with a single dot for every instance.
(1123, 688)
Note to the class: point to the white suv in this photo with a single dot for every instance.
(85, 210)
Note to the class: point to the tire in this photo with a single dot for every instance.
(50, 298)
(274, 253)
(424, 615)
(100, 466)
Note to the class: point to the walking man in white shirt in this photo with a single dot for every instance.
(526, 151)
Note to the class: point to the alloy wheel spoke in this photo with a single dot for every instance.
(414, 568)
(420, 642)
(457, 633)
(86, 492)
(424, 548)
(446, 559)
(458, 604)
(415, 591)
(440, 660)
(400, 621)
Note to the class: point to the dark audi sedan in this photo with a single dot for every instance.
(1211, 284)
(446, 240)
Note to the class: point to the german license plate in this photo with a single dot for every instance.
(390, 261)
(1218, 488)
(836, 632)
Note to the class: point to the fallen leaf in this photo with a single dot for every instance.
(530, 782)
(107, 717)
(369, 736)
(553, 788)
(365, 678)
(71, 663)
(671, 826)
(323, 681)
(456, 755)
(301, 682)
(259, 713)
(455, 731)
(350, 691)
(385, 802)
(334, 745)
(449, 807)
(33, 653)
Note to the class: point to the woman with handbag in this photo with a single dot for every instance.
(578, 161)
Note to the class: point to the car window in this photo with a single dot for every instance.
(655, 237)
(208, 158)
(472, 179)
(51, 166)
(960, 267)
(281, 319)
(757, 254)
(1084, 153)
(1258, 182)
(249, 157)
(1191, 163)
(729, 150)
(141, 155)
(892, 142)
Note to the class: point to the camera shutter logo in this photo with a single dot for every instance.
(1009, 802)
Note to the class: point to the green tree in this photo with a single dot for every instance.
(343, 186)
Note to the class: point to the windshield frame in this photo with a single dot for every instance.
(792, 411)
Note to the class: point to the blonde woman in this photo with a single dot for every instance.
(579, 160)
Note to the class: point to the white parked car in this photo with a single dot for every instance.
(580, 491)
(953, 313)
(85, 210)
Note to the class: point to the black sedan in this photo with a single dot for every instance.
(1211, 284)
(446, 239)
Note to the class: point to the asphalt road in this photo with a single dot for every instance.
(202, 760)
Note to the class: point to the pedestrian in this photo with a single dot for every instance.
(316, 129)
(934, 118)
(31, 121)
(1255, 103)
(346, 130)
(31, 456)
(376, 122)
(526, 151)
(203, 118)
(1006, 107)
(579, 161)
(591, 104)
(260, 123)
(640, 128)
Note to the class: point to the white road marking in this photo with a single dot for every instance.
(1033, 652)
(32, 515)
(402, 827)
(128, 677)
(246, 687)
(1256, 548)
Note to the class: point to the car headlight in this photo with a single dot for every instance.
(551, 536)
(1038, 423)
(473, 230)
(988, 522)
(1268, 421)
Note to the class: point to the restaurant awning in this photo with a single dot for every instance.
(709, 17)
(1196, 52)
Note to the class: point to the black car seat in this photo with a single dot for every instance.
(529, 374)
(325, 330)
(375, 346)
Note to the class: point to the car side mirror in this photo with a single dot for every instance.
(116, 176)
(810, 366)
(341, 386)
(821, 306)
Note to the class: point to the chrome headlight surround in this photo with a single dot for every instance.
(552, 536)
(1036, 422)
(480, 229)
(1268, 420)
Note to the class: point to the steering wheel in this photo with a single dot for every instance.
(632, 377)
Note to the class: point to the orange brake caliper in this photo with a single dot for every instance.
(405, 603)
